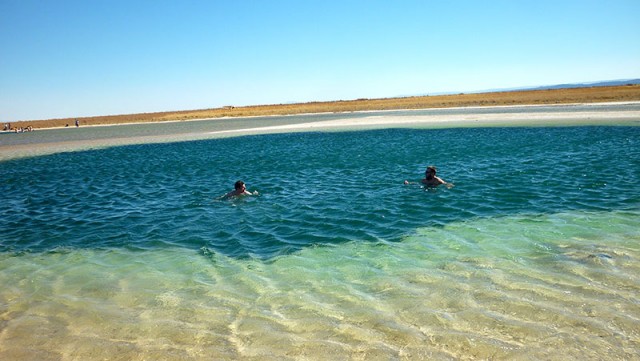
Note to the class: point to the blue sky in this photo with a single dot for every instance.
(67, 58)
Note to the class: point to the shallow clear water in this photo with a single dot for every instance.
(127, 251)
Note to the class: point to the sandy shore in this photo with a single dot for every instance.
(44, 142)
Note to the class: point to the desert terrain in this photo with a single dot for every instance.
(528, 97)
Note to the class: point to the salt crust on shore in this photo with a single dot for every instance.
(422, 121)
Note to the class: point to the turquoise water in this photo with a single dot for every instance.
(128, 251)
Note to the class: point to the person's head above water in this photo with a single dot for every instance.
(430, 179)
(240, 189)
(239, 185)
(430, 172)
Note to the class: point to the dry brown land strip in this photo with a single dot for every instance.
(530, 97)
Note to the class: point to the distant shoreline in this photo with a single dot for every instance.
(587, 95)
(57, 141)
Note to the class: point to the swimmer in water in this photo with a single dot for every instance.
(239, 190)
(430, 179)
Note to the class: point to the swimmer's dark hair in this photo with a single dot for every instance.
(238, 184)
(433, 168)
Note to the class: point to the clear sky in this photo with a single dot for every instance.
(64, 58)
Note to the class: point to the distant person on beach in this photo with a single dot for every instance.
(430, 179)
(77, 123)
(240, 189)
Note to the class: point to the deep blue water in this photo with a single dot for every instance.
(315, 188)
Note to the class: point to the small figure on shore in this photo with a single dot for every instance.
(77, 123)
(430, 179)
(240, 189)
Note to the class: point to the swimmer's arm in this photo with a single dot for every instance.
(441, 181)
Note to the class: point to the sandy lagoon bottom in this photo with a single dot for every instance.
(565, 288)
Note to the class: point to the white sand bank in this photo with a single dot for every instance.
(453, 120)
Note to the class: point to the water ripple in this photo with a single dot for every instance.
(316, 188)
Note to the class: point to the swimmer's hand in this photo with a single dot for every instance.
(449, 185)
(255, 193)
